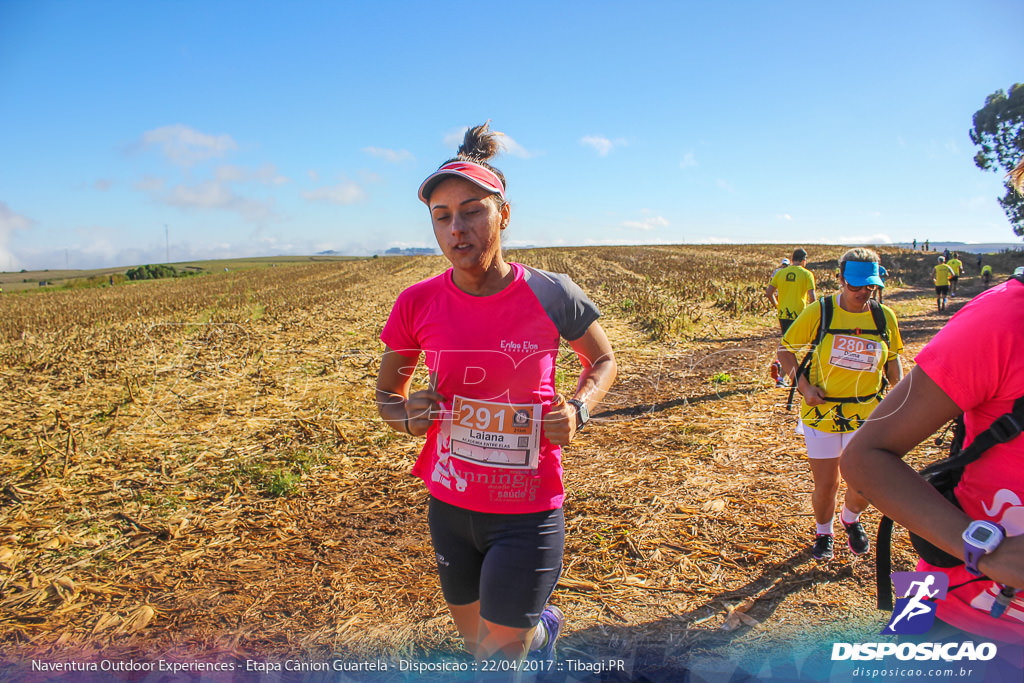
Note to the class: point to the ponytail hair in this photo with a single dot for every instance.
(478, 145)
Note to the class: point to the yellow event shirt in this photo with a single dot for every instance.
(956, 265)
(792, 283)
(845, 365)
(942, 274)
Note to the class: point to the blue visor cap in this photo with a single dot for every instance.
(860, 273)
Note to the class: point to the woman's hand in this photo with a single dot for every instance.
(421, 409)
(1005, 564)
(559, 424)
(814, 396)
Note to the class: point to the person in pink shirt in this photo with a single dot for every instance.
(489, 332)
(974, 365)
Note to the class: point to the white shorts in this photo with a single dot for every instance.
(824, 445)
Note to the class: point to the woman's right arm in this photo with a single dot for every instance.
(410, 414)
(815, 396)
(873, 465)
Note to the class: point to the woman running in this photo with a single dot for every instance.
(489, 331)
(851, 346)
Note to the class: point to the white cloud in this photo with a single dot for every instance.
(877, 238)
(689, 161)
(186, 146)
(266, 174)
(218, 193)
(313, 175)
(513, 148)
(392, 156)
(725, 185)
(9, 222)
(785, 217)
(103, 184)
(214, 194)
(601, 144)
(209, 195)
(344, 193)
(453, 138)
(647, 224)
(720, 240)
(149, 184)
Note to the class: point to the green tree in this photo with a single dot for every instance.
(999, 132)
(152, 272)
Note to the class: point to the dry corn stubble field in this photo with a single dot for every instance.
(194, 468)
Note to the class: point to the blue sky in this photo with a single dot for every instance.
(260, 128)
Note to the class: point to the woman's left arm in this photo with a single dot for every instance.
(872, 465)
(599, 370)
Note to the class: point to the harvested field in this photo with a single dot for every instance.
(195, 469)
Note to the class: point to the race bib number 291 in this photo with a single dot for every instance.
(494, 434)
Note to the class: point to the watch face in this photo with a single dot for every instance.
(981, 534)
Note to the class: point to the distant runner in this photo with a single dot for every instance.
(943, 274)
(489, 331)
(986, 275)
(957, 266)
(785, 262)
(850, 346)
(790, 290)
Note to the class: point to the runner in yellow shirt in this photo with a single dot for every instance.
(790, 290)
(850, 344)
(943, 274)
(957, 266)
(986, 275)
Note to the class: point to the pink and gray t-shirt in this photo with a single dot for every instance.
(499, 349)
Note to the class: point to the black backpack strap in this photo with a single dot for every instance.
(827, 313)
(881, 324)
(804, 368)
(883, 564)
(1005, 428)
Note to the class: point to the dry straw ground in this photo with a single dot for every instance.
(194, 468)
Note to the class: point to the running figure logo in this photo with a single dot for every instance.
(914, 613)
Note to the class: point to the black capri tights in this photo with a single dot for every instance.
(510, 563)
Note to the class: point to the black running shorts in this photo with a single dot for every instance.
(510, 563)
(942, 290)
